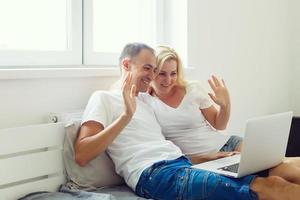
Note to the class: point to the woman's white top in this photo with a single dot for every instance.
(185, 125)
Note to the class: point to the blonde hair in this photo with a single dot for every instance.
(163, 54)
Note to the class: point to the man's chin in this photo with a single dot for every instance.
(143, 89)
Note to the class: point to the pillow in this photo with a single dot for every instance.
(99, 172)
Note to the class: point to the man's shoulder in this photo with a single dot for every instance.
(106, 97)
(145, 97)
(107, 94)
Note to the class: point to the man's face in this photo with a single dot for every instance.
(142, 68)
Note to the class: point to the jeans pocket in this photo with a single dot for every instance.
(154, 170)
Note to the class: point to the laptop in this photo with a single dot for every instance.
(264, 146)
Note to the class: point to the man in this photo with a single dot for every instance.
(118, 121)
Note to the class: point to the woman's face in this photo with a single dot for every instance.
(166, 79)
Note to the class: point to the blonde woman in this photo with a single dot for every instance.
(186, 112)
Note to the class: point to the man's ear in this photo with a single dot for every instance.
(126, 64)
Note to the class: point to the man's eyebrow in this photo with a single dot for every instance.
(149, 65)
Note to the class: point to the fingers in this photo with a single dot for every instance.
(127, 81)
(236, 152)
(223, 83)
(228, 154)
(214, 82)
(212, 97)
(222, 154)
(133, 91)
(127, 87)
(232, 153)
(212, 85)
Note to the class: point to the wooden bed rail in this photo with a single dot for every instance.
(31, 159)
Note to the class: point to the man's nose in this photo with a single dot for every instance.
(151, 75)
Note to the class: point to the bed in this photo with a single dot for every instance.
(31, 160)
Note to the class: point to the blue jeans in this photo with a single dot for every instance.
(176, 180)
(233, 142)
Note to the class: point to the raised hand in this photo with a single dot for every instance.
(129, 92)
(221, 95)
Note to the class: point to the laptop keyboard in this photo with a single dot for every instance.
(231, 168)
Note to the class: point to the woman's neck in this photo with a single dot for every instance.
(167, 95)
(173, 98)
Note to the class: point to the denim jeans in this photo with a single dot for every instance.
(232, 143)
(176, 180)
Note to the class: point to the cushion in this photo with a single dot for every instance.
(99, 172)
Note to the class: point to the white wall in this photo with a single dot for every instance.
(29, 101)
(246, 43)
(175, 27)
(295, 54)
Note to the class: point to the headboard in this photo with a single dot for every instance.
(31, 159)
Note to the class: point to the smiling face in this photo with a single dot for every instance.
(142, 69)
(166, 79)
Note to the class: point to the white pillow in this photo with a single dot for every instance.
(99, 172)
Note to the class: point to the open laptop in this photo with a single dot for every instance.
(264, 146)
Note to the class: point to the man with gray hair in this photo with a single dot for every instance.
(120, 123)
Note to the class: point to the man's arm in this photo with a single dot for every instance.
(93, 138)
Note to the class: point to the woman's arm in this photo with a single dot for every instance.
(209, 157)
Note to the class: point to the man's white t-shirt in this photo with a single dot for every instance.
(140, 144)
(185, 125)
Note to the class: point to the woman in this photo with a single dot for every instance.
(187, 114)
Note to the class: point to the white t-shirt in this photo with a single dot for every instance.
(140, 144)
(185, 125)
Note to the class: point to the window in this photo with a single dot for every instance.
(109, 25)
(40, 32)
(84, 32)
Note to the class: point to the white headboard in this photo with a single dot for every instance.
(31, 159)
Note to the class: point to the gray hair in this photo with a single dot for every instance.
(133, 49)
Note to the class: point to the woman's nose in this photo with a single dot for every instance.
(168, 79)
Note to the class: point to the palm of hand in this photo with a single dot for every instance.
(129, 95)
(221, 95)
(130, 102)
